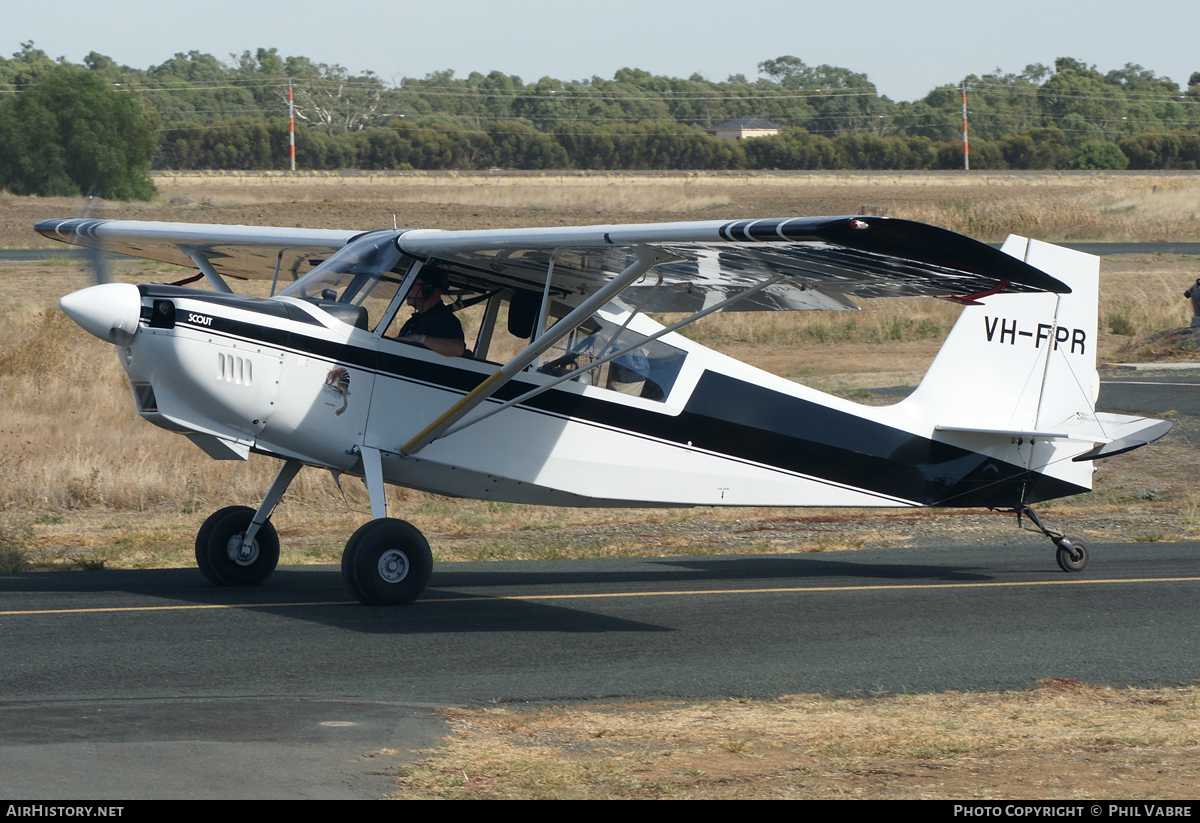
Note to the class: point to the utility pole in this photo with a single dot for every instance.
(292, 124)
(966, 145)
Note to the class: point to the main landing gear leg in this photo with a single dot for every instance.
(1072, 555)
(238, 546)
(387, 562)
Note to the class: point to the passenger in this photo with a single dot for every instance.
(434, 325)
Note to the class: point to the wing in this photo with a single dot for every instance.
(240, 252)
(824, 260)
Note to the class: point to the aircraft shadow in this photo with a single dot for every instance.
(460, 597)
(315, 595)
(306, 579)
(769, 568)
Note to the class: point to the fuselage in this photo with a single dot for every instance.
(284, 377)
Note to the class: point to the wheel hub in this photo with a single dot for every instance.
(242, 555)
(393, 566)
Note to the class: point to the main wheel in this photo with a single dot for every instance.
(202, 541)
(387, 563)
(1074, 559)
(220, 556)
(348, 555)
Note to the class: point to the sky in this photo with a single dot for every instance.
(905, 49)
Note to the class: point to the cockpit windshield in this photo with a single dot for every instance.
(356, 283)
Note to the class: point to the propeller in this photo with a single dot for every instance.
(97, 262)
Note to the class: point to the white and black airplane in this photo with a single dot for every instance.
(599, 405)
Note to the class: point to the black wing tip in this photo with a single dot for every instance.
(934, 245)
(50, 228)
(74, 230)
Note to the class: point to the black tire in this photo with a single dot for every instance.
(223, 540)
(348, 558)
(1073, 561)
(389, 563)
(206, 528)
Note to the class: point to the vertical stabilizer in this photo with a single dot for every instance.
(1021, 368)
(1021, 361)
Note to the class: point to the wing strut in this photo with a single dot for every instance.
(646, 259)
(600, 361)
(206, 268)
(275, 279)
(544, 309)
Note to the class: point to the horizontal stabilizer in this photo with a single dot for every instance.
(1111, 434)
(1129, 433)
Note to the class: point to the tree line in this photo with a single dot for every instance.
(100, 126)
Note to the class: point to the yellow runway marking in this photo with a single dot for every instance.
(807, 589)
(194, 607)
(610, 595)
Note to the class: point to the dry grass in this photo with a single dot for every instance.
(986, 205)
(100, 486)
(879, 321)
(95, 481)
(631, 194)
(677, 200)
(1131, 209)
(1142, 295)
(1063, 740)
(15, 537)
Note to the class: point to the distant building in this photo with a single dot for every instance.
(745, 127)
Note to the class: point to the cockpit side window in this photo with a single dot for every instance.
(642, 368)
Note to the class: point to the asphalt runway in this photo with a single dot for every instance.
(125, 684)
(1138, 392)
(144, 684)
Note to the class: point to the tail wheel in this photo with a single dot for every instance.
(387, 563)
(221, 557)
(1073, 557)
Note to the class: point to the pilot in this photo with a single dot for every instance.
(434, 325)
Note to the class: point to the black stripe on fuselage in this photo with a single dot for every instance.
(271, 308)
(737, 419)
